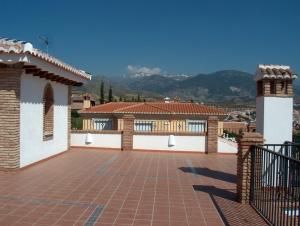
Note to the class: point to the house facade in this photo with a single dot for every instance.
(154, 126)
(35, 104)
(172, 117)
(81, 101)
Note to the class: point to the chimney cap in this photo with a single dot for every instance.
(272, 71)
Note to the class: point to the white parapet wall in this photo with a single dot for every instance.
(182, 143)
(99, 140)
(167, 143)
(226, 146)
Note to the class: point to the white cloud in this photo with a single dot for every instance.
(143, 71)
(138, 71)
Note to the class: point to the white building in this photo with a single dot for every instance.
(35, 91)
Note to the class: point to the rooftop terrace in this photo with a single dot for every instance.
(92, 187)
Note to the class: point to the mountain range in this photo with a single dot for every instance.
(221, 86)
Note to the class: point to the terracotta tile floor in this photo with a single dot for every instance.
(91, 187)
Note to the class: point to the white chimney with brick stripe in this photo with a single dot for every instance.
(274, 103)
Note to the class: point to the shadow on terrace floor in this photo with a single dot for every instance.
(210, 173)
(231, 212)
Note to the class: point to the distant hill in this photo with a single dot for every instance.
(120, 89)
(221, 86)
(214, 87)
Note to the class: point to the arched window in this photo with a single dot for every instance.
(48, 116)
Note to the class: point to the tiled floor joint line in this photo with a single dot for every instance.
(37, 201)
(95, 215)
(105, 165)
(142, 176)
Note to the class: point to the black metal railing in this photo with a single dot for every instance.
(289, 149)
(275, 183)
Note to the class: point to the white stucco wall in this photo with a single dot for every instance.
(98, 140)
(160, 142)
(274, 119)
(226, 146)
(32, 146)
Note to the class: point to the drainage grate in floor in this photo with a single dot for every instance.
(105, 165)
(37, 201)
(94, 216)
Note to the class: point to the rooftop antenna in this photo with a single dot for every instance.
(45, 41)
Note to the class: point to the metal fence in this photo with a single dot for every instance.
(176, 126)
(275, 183)
(289, 149)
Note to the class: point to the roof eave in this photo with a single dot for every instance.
(152, 113)
(28, 59)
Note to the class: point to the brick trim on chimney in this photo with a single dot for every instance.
(212, 135)
(127, 136)
(10, 84)
(244, 164)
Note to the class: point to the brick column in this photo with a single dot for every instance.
(212, 135)
(251, 127)
(246, 140)
(127, 136)
(10, 82)
(115, 123)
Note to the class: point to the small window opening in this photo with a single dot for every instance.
(48, 112)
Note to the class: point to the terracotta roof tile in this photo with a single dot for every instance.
(22, 47)
(274, 71)
(155, 108)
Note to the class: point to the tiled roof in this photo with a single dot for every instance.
(154, 108)
(22, 47)
(274, 72)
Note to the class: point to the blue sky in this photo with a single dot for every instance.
(171, 36)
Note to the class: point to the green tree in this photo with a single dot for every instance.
(138, 98)
(120, 99)
(76, 120)
(102, 93)
(110, 95)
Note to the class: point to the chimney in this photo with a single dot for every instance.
(86, 101)
(274, 103)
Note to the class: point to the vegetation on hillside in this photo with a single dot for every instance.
(227, 86)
